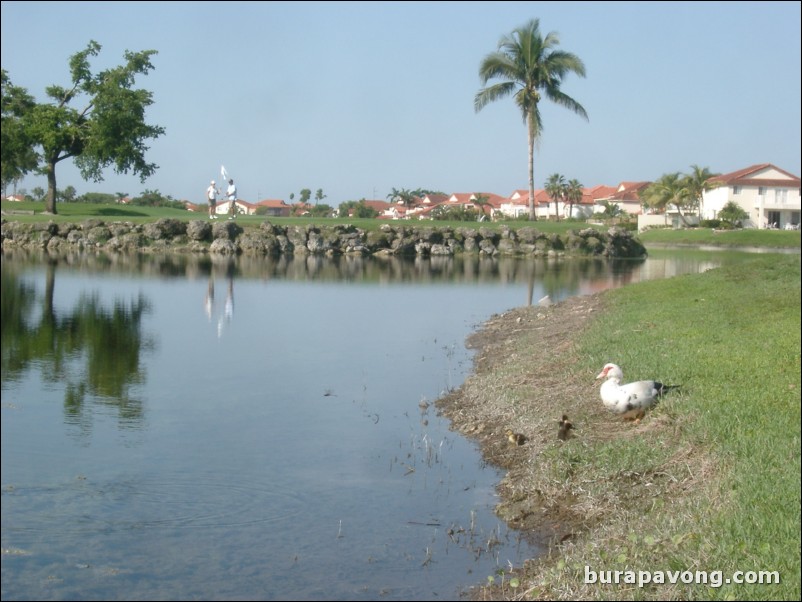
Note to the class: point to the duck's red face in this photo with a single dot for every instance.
(609, 370)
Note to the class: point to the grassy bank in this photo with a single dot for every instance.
(723, 238)
(709, 481)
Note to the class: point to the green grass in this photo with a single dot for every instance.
(740, 238)
(77, 212)
(731, 338)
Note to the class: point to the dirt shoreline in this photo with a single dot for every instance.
(489, 403)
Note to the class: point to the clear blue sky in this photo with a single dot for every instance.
(359, 97)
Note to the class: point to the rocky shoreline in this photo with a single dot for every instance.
(230, 238)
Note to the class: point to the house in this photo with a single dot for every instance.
(467, 200)
(626, 197)
(274, 207)
(243, 207)
(591, 200)
(517, 204)
(423, 205)
(380, 207)
(432, 200)
(14, 198)
(768, 194)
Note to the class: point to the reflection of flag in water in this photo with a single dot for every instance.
(224, 173)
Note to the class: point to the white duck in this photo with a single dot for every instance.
(630, 399)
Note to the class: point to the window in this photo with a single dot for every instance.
(761, 191)
(736, 190)
(782, 196)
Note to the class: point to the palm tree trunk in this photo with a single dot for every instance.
(682, 217)
(532, 216)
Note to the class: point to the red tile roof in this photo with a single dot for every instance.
(746, 177)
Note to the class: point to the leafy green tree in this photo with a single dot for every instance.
(321, 210)
(305, 196)
(531, 66)
(67, 195)
(38, 193)
(319, 196)
(99, 197)
(363, 210)
(573, 194)
(356, 209)
(456, 213)
(556, 189)
(108, 130)
(733, 213)
(154, 198)
(16, 148)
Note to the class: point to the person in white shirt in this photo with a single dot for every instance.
(211, 196)
(231, 195)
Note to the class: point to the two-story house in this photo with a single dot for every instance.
(768, 194)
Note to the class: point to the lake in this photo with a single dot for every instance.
(255, 429)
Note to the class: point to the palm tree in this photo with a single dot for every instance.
(482, 201)
(573, 194)
(556, 189)
(409, 198)
(698, 182)
(531, 66)
(670, 189)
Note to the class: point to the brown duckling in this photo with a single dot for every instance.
(634, 415)
(564, 429)
(515, 438)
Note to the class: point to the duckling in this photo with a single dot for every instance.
(515, 438)
(564, 430)
(634, 415)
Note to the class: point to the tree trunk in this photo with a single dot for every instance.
(532, 216)
(682, 217)
(50, 199)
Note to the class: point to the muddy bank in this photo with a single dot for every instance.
(562, 493)
(500, 396)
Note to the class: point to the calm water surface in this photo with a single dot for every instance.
(175, 428)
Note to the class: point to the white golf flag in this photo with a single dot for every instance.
(224, 173)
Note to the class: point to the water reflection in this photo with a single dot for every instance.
(222, 316)
(92, 349)
(574, 276)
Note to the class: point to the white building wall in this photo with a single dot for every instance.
(713, 201)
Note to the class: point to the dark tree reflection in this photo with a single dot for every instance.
(92, 350)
